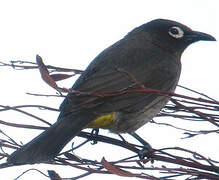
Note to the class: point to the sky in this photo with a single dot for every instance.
(69, 33)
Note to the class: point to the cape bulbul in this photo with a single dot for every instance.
(148, 56)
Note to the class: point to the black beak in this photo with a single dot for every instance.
(199, 36)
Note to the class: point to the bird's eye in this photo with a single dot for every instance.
(176, 32)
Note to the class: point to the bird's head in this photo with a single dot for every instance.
(171, 35)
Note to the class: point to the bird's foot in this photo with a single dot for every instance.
(146, 146)
(146, 150)
(94, 132)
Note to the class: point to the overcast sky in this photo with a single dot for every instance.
(70, 33)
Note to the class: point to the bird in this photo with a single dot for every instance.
(149, 56)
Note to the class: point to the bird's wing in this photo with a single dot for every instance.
(147, 68)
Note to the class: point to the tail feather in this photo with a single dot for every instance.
(49, 143)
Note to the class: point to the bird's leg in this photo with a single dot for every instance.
(122, 138)
(146, 146)
(94, 132)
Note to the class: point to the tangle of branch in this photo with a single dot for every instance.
(191, 165)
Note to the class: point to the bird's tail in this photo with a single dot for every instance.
(49, 143)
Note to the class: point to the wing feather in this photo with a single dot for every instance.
(107, 75)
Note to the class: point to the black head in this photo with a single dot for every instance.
(172, 35)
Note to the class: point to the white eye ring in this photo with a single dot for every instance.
(176, 32)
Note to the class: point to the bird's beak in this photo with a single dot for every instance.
(199, 36)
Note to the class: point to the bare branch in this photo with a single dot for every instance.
(190, 165)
